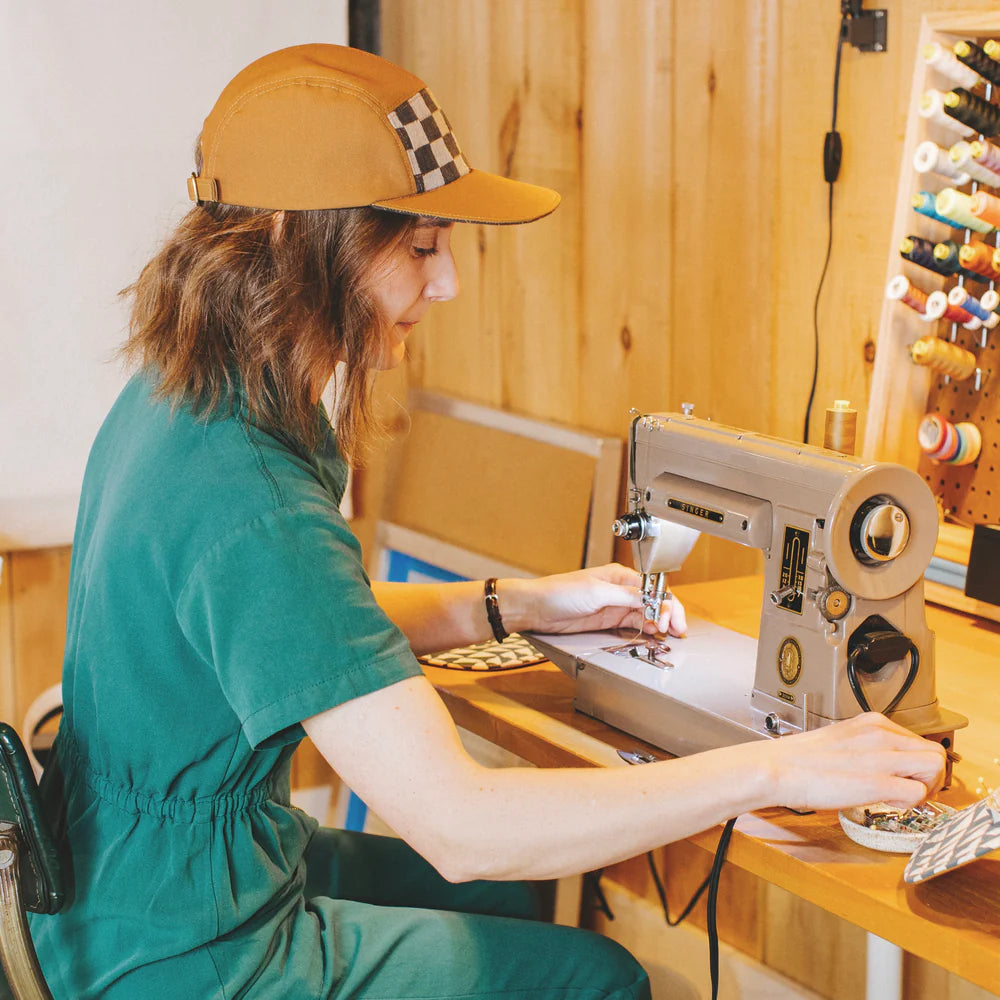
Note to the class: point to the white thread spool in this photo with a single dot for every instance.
(961, 156)
(949, 65)
(930, 158)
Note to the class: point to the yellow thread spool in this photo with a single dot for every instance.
(841, 428)
(943, 356)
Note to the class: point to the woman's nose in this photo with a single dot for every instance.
(443, 284)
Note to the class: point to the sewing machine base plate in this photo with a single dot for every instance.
(697, 700)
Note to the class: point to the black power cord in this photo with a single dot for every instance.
(872, 652)
(832, 155)
(866, 31)
(711, 883)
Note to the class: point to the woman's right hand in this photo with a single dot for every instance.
(855, 762)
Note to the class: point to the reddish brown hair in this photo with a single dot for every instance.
(267, 301)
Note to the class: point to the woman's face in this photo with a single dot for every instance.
(419, 272)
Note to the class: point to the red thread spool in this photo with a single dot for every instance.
(938, 306)
(901, 290)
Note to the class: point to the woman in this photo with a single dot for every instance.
(219, 611)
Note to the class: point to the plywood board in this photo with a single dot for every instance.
(521, 501)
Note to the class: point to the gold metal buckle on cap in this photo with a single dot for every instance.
(201, 189)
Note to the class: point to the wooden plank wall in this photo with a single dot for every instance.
(686, 140)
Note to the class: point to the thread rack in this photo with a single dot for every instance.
(904, 392)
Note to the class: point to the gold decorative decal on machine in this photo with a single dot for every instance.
(696, 510)
(789, 661)
(794, 552)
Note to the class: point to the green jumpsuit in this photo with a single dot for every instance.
(217, 598)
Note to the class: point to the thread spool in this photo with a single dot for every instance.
(986, 154)
(976, 112)
(934, 108)
(946, 255)
(923, 202)
(961, 156)
(958, 296)
(979, 258)
(841, 428)
(948, 443)
(921, 251)
(985, 207)
(974, 57)
(938, 307)
(956, 206)
(949, 65)
(930, 158)
(943, 356)
(990, 299)
(901, 289)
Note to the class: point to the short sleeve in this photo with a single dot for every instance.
(283, 611)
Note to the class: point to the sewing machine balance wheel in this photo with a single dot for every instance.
(884, 565)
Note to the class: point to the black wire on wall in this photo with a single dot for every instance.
(364, 25)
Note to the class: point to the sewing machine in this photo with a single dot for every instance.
(842, 627)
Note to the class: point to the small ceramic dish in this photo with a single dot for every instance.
(865, 825)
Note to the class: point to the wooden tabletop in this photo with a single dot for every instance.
(953, 920)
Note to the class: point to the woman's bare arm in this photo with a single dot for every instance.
(398, 749)
(437, 616)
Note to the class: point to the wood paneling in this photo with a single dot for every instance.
(32, 626)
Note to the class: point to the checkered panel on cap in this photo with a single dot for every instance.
(431, 146)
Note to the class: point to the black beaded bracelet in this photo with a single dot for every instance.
(493, 609)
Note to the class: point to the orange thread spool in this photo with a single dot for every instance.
(943, 356)
(979, 257)
(986, 207)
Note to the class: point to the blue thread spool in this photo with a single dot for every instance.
(921, 252)
(958, 296)
(923, 202)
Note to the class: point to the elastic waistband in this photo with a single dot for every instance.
(202, 809)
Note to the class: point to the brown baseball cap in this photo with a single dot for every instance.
(326, 126)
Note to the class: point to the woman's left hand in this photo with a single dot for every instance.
(593, 599)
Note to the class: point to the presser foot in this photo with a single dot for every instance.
(648, 650)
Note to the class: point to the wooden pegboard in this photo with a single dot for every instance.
(903, 392)
(969, 494)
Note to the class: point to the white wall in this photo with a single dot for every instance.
(101, 104)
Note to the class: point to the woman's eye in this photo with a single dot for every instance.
(424, 251)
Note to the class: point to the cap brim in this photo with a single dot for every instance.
(479, 196)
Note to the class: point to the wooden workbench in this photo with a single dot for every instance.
(952, 921)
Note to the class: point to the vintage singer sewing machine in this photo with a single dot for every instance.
(842, 627)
